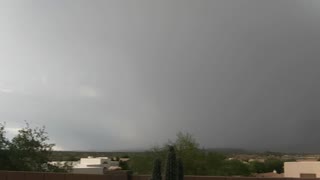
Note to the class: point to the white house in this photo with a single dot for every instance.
(302, 169)
(94, 165)
(61, 164)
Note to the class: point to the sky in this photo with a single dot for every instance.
(129, 74)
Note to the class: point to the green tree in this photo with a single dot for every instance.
(214, 161)
(234, 167)
(5, 162)
(188, 150)
(272, 164)
(257, 167)
(142, 163)
(124, 165)
(125, 156)
(29, 150)
(72, 158)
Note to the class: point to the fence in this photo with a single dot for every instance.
(224, 178)
(11, 175)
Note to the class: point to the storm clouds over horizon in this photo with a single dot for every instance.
(122, 75)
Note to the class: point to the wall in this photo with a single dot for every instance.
(222, 178)
(10, 175)
(294, 169)
(90, 170)
(7, 175)
(90, 161)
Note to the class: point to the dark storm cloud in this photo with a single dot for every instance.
(110, 75)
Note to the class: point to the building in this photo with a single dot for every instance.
(62, 164)
(302, 169)
(95, 165)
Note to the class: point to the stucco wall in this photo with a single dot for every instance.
(294, 169)
(98, 170)
(90, 161)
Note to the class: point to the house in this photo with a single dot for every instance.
(302, 169)
(61, 164)
(95, 165)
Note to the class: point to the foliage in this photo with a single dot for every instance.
(257, 167)
(142, 163)
(188, 149)
(171, 167)
(199, 162)
(213, 163)
(180, 172)
(125, 156)
(123, 165)
(274, 164)
(72, 158)
(29, 150)
(3, 139)
(5, 162)
(234, 167)
(156, 172)
(195, 160)
(269, 165)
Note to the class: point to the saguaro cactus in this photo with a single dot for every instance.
(171, 168)
(180, 169)
(156, 172)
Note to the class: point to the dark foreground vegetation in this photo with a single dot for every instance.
(29, 150)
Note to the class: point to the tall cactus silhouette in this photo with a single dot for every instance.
(171, 166)
(180, 169)
(156, 172)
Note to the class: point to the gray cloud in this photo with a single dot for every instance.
(110, 75)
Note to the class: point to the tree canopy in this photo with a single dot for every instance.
(29, 150)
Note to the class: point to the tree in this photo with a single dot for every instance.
(123, 165)
(125, 156)
(234, 167)
(272, 164)
(142, 163)
(188, 150)
(29, 150)
(171, 164)
(257, 167)
(5, 162)
(214, 162)
(156, 172)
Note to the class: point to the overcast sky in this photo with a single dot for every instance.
(130, 74)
